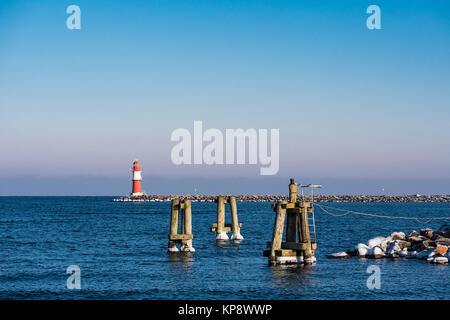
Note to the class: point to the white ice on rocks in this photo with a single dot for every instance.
(222, 236)
(423, 255)
(173, 249)
(362, 250)
(411, 255)
(377, 252)
(184, 248)
(310, 260)
(403, 253)
(393, 248)
(376, 241)
(398, 236)
(438, 260)
(339, 255)
(237, 236)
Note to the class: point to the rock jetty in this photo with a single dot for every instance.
(429, 245)
(274, 198)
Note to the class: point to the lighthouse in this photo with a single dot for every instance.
(137, 177)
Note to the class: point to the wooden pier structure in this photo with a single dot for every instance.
(185, 236)
(298, 247)
(220, 227)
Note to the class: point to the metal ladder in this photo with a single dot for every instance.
(312, 226)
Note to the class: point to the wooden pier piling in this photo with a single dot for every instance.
(235, 227)
(221, 233)
(185, 237)
(173, 225)
(220, 227)
(186, 245)
(308, 254)
(292, 191)
(293, 250)
(277, 236)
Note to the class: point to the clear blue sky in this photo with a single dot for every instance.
(351, 103)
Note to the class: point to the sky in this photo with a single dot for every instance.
(358, 110)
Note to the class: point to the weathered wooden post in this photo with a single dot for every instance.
(292, 191)
(174, 212)
(185, 237)
(277, 236)
(291, 251)
(235, 228)
(186, 245)
(220, 233)
(308, 255)
(220, 227)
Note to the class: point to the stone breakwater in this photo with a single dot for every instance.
(274, 198)
(429, 245)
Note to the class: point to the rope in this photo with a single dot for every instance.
(346, 212)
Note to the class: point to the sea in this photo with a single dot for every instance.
(120, 250)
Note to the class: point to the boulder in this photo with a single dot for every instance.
(403, 253)
(445, 234)
(442, 241)
(393, 250)
(413, 233)
(376, 241)
(362, 250)
(403, 244)
(444, 230)
(438, 260)
(423, 255)
(433, 246)
(339, 255)
(416, 240)
(393, 247)
(427, 233)
(398, 236)
(417, 247)
(377, 253)
(442, 250)
(429, 244)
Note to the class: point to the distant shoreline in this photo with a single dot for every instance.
(274, 198)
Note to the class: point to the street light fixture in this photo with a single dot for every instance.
(312, 186)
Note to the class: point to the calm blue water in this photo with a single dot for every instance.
(121, 250)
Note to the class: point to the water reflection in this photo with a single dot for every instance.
(180, 261)
(227, 243)
(292, 275)
(222, 243)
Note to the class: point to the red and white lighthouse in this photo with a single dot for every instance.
(137, 177)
